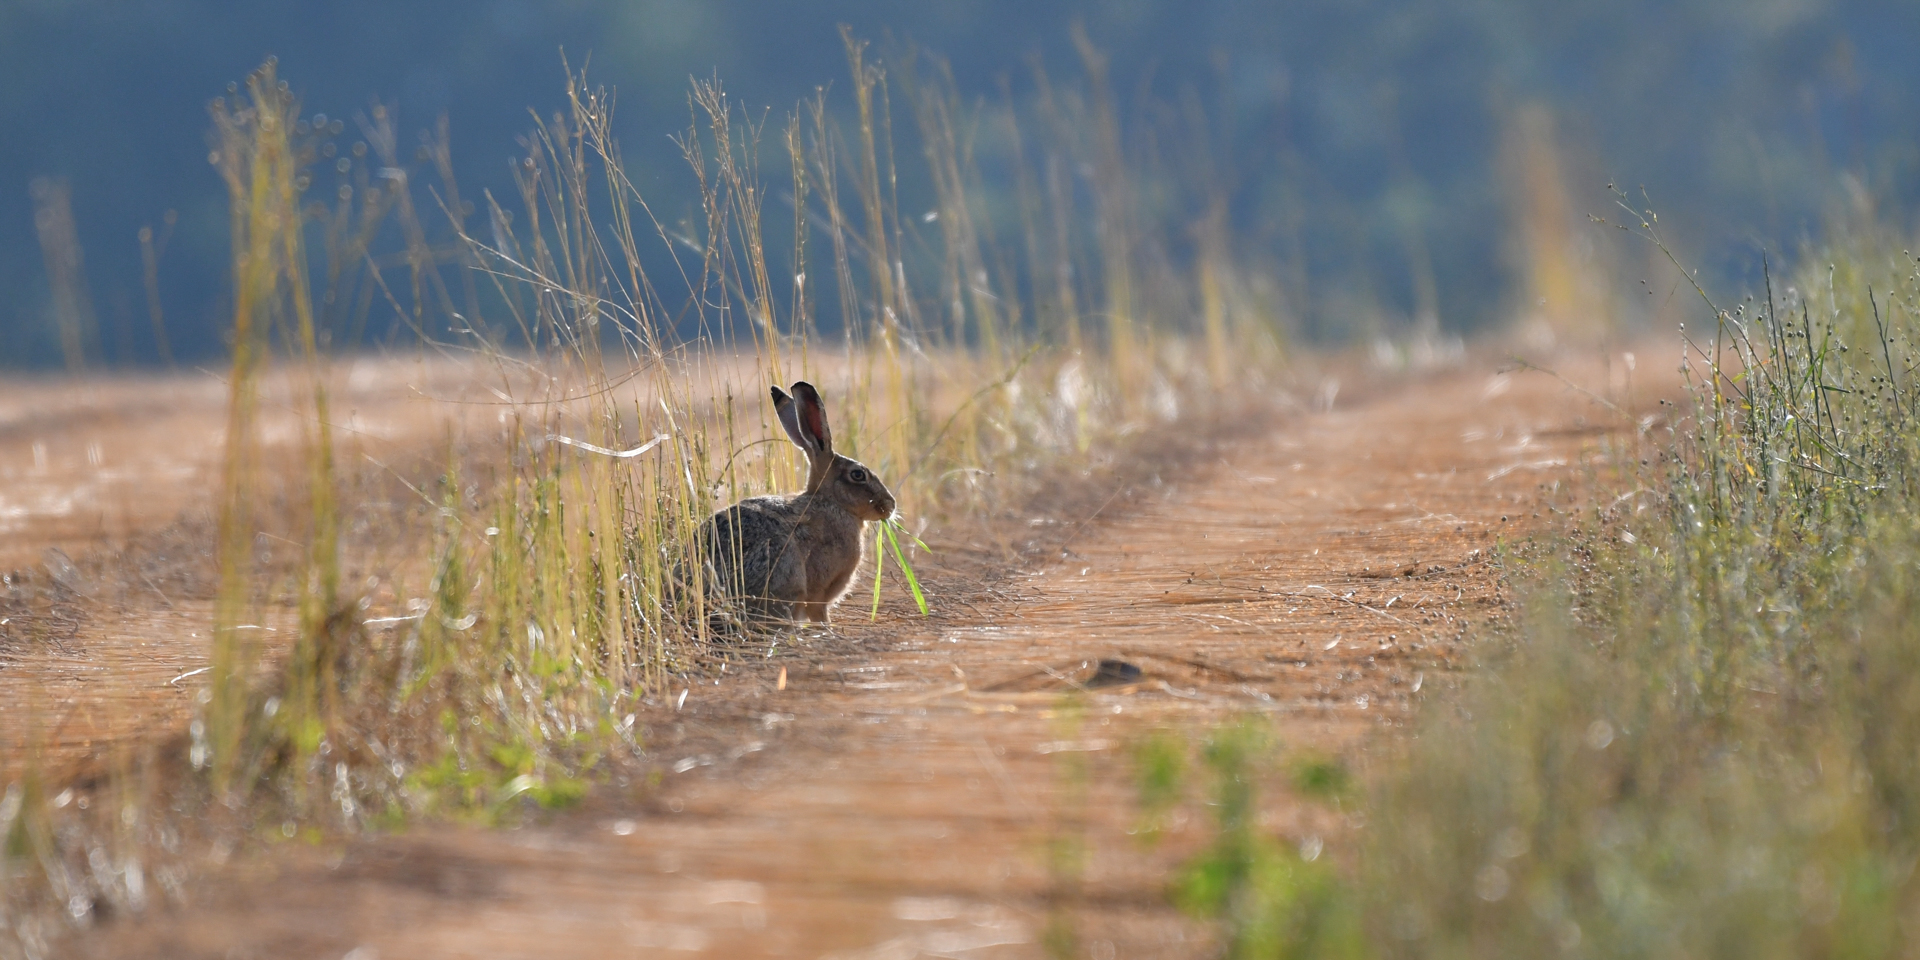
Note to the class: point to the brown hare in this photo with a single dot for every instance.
(789, 556)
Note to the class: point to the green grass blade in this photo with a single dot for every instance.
(879, 568)
(900, 557)
(901, 530)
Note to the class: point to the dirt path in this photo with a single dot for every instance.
(905, 793)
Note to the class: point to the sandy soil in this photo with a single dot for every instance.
(918, 787)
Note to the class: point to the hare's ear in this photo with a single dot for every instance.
(789, 414)
(814, 434)
(793, 417)
(813, 416)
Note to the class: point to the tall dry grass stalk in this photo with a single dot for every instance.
(255, 155)
(73, 314)
(1114, 198)
(1566, 283)
(151, 250)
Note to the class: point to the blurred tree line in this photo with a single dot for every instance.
(1391, 159)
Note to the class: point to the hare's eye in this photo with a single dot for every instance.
(857, 475)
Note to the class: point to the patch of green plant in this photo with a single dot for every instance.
(1269, 898)
(1273, 902)
(1160, 771)
(1322, 778)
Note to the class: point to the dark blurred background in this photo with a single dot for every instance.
(1373, 143)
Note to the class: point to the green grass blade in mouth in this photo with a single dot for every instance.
(887, 533)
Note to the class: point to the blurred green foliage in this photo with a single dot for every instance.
(1361, 141)
(1268, 900)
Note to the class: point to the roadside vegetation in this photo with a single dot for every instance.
(1697, 735)
(1699, 739)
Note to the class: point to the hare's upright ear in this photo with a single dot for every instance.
(813, 415)
(789, 419)
(799, 424)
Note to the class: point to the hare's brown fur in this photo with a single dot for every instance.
(795, 555)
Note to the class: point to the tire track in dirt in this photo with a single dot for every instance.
(899, 795)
